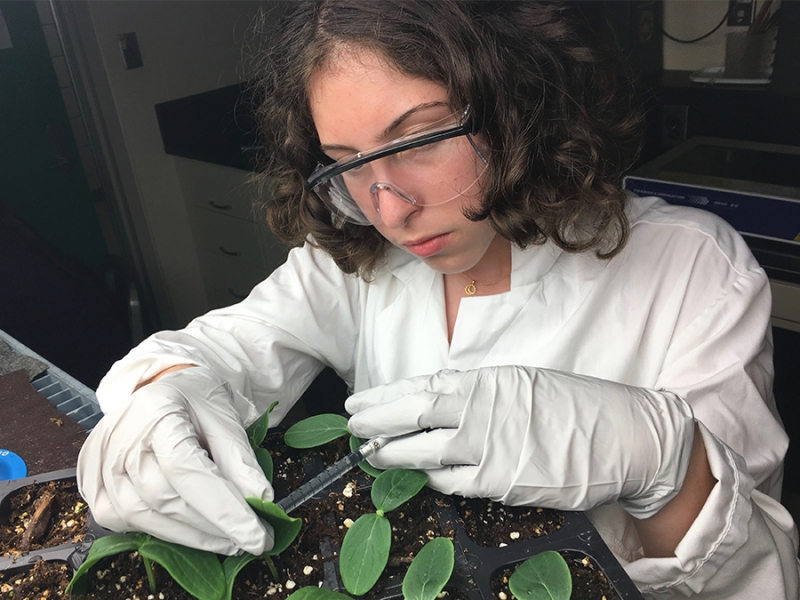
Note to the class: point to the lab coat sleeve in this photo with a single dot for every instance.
(743, 545)
(269, 347)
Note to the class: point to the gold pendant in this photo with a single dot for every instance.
(470, 288)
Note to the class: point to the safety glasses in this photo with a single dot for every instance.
(351, 187)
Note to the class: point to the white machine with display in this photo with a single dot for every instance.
(755, 187)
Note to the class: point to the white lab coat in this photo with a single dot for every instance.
(685, 306)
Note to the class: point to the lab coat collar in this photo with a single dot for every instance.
(415, 317)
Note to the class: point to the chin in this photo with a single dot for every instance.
(449, 266)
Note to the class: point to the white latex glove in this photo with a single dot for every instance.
(527, 436)
(174, 461)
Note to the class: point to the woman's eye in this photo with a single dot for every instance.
(357, 173)
(419, 153)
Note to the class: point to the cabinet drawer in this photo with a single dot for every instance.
(223, 190)
(247, 242)
(228, 281)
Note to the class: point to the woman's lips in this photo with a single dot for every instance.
(428, 246)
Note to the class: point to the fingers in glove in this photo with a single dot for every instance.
(386, 393)
(407, 414)
(177, 521)
(425, 450)
(226, 441)
(200, 494)
(118, 502)
(462, 481)
(144, 468)
(91, 481)
(90, 469)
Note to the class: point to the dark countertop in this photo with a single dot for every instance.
(33, 428)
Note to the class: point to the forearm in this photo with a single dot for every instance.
(257, 374)
(661, 533)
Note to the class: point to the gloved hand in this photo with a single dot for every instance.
(174, 461)
(527, 436)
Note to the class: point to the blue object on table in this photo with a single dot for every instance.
(11, 466)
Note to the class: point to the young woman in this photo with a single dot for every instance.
(468, 264)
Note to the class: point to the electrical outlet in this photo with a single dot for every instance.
(129, 46)
(674, 124)
(740, 13)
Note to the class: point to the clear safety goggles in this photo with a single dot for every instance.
(351, 187)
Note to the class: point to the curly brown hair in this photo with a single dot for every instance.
(553, 102)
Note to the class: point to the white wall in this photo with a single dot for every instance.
(187, 48)
(689, 19)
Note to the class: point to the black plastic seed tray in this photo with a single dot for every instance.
(576, 534)
(476, 565)
(73, 553)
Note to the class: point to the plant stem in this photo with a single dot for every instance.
(151, 576)
(272, 569)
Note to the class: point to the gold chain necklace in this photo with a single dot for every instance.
(472, 287)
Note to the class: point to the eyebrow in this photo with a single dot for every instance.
(392, 126)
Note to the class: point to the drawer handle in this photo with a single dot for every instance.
(236, 295)
(224, 250)
(220, 206)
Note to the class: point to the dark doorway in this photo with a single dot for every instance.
(59, 285)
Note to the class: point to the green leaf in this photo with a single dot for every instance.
(258, 428)
(110, 545)
(430, 570)
(285, 527)
(545, 576)
(231, 567)
(315, 431)
(197, 571)
(316, 593)
(264, 459)
(365, 552)
(355, 442)
(396, 486)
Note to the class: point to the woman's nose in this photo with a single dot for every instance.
(395, 206)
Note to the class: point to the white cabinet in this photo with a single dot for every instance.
(235, 248)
